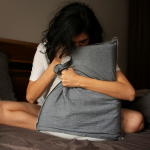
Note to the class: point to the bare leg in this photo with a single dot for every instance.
(20, 114)
(132, 121)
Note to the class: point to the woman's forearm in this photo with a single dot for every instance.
(37, 88)
(116, 89)
(120, 89)
(111, 88)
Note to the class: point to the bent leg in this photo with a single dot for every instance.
(132, 121)
(20, 114)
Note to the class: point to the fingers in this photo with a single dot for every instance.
(63, 74)
(63, 77)
(69, 68)
(69, 78)
(65, 71)
(63, 80)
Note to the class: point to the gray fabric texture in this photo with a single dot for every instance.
(82, 112)
(6, 88)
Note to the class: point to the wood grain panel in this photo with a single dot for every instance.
(18, 51)
(20, 62)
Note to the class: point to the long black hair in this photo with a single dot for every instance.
(71, 20)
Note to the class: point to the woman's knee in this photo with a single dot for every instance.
(135, 122)
(3, 111)
(140, 122)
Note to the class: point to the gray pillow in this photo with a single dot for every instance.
(6, 88)
(82, 112)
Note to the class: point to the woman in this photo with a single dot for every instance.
(74, 25)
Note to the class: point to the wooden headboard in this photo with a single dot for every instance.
(20, 63)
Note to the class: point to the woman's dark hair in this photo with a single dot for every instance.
(70, 21)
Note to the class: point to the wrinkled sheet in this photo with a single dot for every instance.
(15, 138)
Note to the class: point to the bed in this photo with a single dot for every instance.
(18, 63)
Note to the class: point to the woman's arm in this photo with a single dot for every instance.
(120, 89)
(36, 88)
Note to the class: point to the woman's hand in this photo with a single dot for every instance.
(70, 78)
